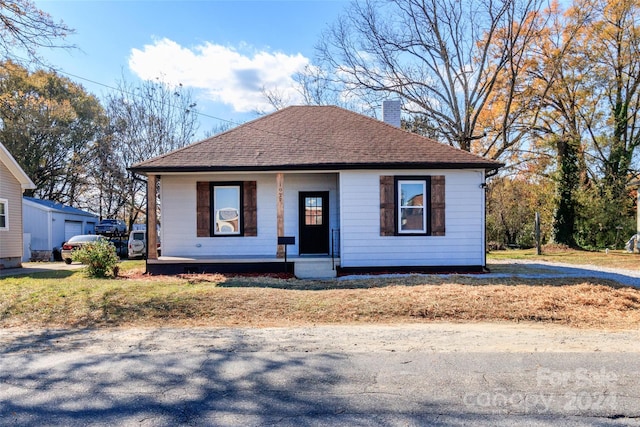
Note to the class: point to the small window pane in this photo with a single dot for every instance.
(411, 194)
(412, 219)
(3, 214)
(226, 201)
(313, 211)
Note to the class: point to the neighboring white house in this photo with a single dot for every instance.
(354, 193)
(13, 182)
(50, 224)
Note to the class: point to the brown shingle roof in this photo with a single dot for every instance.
(314, 138)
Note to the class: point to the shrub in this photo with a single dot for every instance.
(100, 257)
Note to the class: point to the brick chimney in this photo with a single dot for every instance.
(391, 112)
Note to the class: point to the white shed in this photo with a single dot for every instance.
(50, 224)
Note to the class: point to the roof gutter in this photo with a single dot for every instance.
(311, 167)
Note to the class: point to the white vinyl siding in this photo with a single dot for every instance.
(354, 202)
(362, 245)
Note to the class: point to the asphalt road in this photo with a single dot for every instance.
(412, 375)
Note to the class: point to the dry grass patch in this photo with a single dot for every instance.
(217, 300)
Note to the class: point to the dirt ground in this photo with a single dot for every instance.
(432, 337)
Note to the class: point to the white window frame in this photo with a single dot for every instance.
(217, 207)
(5, 203)
(400, 206)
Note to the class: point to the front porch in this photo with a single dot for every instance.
(272, 218)
(303, 267)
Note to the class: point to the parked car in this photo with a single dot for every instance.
(121, 247)
(138, 244)
(77, 242)
(111, 227)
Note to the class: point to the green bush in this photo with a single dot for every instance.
(100, 257)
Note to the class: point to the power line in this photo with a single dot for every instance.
(61, 71)
(199, 113)
(248, 124)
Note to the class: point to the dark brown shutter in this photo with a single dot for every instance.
(203, 209)
(387, 206)
(250, 211)
(437, 206)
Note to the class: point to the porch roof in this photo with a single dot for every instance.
(314, 138)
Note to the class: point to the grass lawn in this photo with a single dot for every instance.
(70, 299)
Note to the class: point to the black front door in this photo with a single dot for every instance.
(314, 222)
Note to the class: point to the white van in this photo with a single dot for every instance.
(137, 244)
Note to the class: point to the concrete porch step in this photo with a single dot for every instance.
(315, 268)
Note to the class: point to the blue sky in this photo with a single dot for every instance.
(225, 51)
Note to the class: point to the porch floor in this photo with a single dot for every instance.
(240, 259)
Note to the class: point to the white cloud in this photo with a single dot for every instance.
(225, 74)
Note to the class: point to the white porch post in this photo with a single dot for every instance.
(152, 219)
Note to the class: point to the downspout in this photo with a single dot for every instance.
(483, 187)
(50, 230)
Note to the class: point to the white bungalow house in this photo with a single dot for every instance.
(48, 224)
(13, 182)
(349, 194)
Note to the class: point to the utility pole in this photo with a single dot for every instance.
(538, 243)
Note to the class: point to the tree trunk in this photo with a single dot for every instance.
(565, 216)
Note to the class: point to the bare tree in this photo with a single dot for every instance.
(146, 121)
(221, 127)
(276, 98)
(108, 179)
(24, 29)
(442, 57)
(315, 85)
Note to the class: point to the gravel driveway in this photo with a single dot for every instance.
(542, 269)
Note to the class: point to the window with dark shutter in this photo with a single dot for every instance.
(412, 205)
(226, 209)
